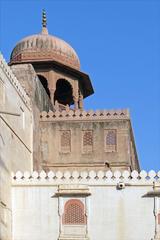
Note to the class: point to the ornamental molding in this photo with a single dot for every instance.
(80, 115)
(89, 178)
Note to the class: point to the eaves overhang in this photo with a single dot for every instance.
(83, 78)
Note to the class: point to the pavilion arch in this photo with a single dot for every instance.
(44, 83)
(64, 92)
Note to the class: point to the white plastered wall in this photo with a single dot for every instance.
(113, 214)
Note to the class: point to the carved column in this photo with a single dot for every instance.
(75, 95)
(75, 99)
(52, 91)
(87, 199)
(80, 100)
(60, 212)
(52, 85)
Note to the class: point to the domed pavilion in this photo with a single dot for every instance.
(57, 66)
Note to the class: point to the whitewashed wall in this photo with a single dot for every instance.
(113, 214)
(121, 214)
(35, 213)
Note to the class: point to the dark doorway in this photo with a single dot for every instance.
(63, 93)
(44, 83)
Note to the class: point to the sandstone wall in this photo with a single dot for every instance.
(86, 140)
(39, 101)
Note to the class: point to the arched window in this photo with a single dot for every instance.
(74, 213)
(63, 93)
(44, 83)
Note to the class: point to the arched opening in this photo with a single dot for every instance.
(44, 83)
(63, 93)
(74, 213)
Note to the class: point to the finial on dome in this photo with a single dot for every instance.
(44, 22)
(44, 19)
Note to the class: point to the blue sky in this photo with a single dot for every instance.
(118, 43)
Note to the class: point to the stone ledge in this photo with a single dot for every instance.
(73, 190)
(84, 115)
(75, 238)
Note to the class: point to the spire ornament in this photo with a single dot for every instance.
(44, 22)
(44, 19)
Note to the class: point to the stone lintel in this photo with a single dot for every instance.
(73, 190)
(74, 238)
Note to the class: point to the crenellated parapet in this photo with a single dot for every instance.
(84, 115)
(13, 80)
(86, 177)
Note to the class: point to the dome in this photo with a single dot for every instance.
(44, 47)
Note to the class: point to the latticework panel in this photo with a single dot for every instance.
(74, 213)
(111, 140)
(65, 141)
(87, 141)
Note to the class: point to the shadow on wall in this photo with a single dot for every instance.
(42, 96)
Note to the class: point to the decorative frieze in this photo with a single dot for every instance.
(84, 177)
(84, 115)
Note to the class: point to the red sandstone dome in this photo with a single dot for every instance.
(44, 47)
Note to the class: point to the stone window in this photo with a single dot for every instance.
(110, 140)
(65, 141)
(74, 213)
(87, 141)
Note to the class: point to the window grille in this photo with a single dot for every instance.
(74, 213)
(65, 141)
(110, 140)
(87, 141)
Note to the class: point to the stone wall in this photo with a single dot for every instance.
(39, 101)
(118, 206)
(86, 140)
(15, 140)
